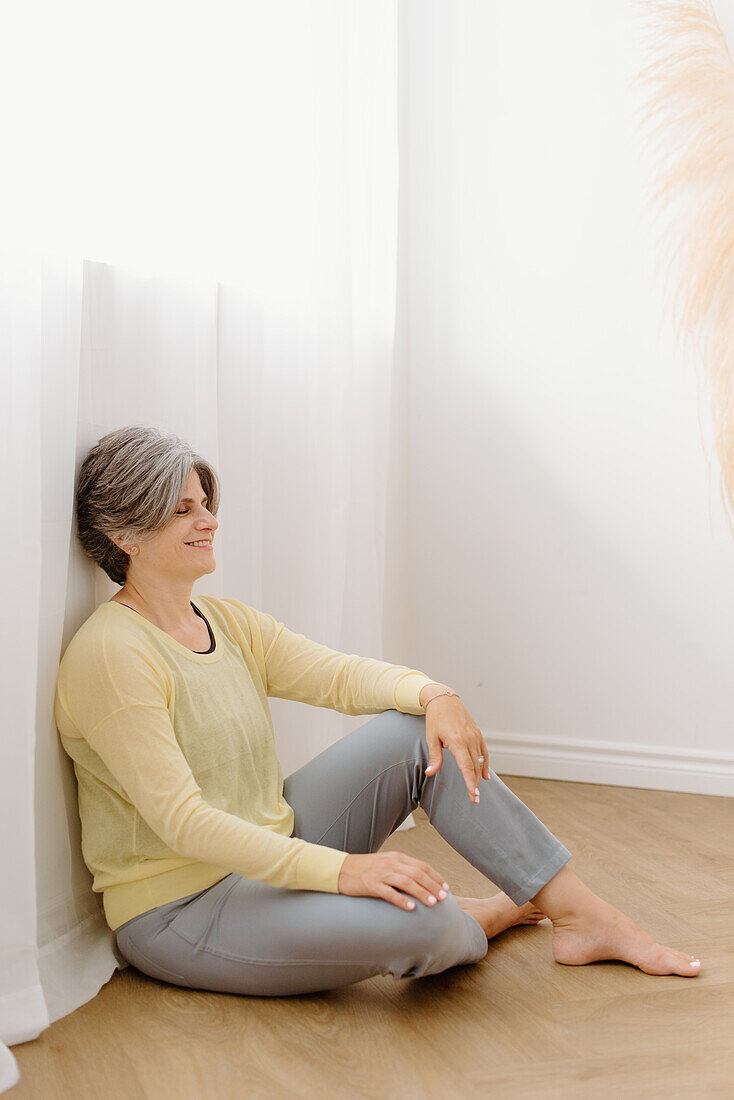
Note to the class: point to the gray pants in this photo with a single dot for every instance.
(240, 936)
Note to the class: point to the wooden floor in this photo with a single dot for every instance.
(517, 1024)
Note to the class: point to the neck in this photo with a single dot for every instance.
(165, 603)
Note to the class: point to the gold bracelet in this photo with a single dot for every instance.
(441, 693)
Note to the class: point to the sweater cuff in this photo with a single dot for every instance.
(407, 692)
(319, 867)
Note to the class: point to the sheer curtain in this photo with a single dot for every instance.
(262, 330)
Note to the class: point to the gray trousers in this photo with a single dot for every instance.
(241, 936)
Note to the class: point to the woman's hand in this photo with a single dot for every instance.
(385, 874)
(449, 724)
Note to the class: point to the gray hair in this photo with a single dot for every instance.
(129, 487)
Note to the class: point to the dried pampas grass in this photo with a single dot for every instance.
(688, 120)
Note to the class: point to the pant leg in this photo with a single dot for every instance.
(354, 794)
(247, 937)
(242, 936)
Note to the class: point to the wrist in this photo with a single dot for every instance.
(430, 691)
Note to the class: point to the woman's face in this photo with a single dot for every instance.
(170, 554)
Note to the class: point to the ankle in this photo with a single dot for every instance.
(566, 897)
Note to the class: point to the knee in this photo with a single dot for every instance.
(406, 733)
(433, 925)
(439, 938)
(401, 727)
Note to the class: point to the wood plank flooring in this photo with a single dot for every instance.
(517, 1024)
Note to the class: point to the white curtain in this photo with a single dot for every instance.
(261, 329)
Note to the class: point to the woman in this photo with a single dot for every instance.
(217, 874)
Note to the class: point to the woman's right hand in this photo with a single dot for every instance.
(385, 874)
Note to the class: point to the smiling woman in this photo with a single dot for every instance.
(168, 725)
(144, 514)
(132, 485)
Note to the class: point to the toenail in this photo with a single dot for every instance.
(431, 900)
(442, 894)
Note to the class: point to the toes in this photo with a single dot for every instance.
(687, 964)
(534, 916)
(666, 961)
(688, 968)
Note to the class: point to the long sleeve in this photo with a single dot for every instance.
(179, 782)
(125, 719)
(303, 670)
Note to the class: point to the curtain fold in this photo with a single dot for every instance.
(23, 329)
(276, 364)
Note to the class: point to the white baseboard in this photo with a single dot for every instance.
(612, 763)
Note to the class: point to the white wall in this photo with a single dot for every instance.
(568, 568)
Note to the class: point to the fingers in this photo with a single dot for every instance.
(481, 767)
(429, 894)
(435, 756)
(470, 769)
(477, 769)
(395, 897)
(467, 757)
(431, 880)
(418, 880)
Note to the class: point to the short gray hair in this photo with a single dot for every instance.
(129, 487)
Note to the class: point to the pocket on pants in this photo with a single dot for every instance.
(193, 919)
(136, 952)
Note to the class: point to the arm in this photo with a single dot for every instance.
(139, 748)
(120, 706)
(301, 669)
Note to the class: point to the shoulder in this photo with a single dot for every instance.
(230, 614)
(239, 620)
(109, 663)
(110, 633)
(91, 634)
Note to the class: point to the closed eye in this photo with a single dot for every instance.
(183, 513)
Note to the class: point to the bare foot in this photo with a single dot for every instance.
(498, 913)
(602, 932)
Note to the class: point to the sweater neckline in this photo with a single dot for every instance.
(201, 658)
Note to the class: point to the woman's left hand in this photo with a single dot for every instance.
(450, 725)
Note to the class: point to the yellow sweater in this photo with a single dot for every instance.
(174, 751)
